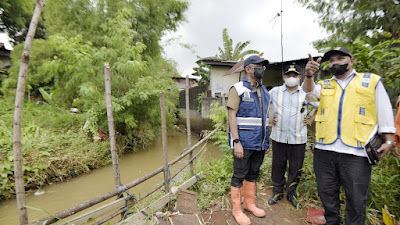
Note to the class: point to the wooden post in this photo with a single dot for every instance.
(188, 130)
(111, 129)
(164, 142)
(224, 104)
(19, 103)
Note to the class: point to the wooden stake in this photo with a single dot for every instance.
(224, 104)
(164, 142)
(19, 103)
(111, 129)
(188, 130)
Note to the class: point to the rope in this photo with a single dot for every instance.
(129, 197)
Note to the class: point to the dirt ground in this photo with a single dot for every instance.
(282, 213)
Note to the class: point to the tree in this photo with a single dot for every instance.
(382, 59)
(238, 53)
(348, 19)
(15, 16)
(203, 71)
(82, 35)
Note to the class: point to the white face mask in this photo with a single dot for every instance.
(292, 81)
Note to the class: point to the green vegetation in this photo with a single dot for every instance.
(55, 147)
(15, 17)
(373, 21)
(67, 70)
(227, 52)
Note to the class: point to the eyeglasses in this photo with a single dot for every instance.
(253, 67)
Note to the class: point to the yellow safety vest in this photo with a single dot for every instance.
(348, 114)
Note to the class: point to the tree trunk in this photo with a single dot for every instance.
(111, 129)
(19, 103)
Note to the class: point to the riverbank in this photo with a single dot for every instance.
(58, 145)
(134, 165)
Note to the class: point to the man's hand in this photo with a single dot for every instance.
(267, 151)
(272, 121)
(307, 122)
(312, 66)
(385, 149)
(238, 150)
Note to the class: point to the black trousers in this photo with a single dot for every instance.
(281, 154)
(247, 168)
(333, 170)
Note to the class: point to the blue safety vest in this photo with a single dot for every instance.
(252, 123)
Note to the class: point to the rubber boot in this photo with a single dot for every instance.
(237, 212)
(249, 199)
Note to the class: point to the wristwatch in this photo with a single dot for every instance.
(236, 140)
(309, 76)
(392, 143)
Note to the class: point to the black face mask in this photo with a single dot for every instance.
(339, 70)
(258, 73)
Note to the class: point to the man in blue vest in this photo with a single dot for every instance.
(289, 135)
(247, 104)
(351, 106)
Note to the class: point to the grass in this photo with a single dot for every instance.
(55, 147)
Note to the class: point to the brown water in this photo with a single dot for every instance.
(60, 196)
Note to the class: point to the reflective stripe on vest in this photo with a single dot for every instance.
(249, 121)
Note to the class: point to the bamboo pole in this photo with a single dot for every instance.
(89, 203)
(111, 129)
(73, 210)
(188, 130)
(224, 104)
(19, 103)
(164, 142)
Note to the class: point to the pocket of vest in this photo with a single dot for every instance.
(365, 96)
(327, 91)
(362, 127)
(320, 124)
(248, 135)
(247, 108)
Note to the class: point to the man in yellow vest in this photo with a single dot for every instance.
(351, 105)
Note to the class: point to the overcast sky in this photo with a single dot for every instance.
(251, 20)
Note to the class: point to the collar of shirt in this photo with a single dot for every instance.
(255, 84)
(347, 80)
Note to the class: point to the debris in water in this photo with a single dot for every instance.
(37, 193)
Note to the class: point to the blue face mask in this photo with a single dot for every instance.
(339, 70)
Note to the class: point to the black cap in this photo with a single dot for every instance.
(255, 59)
(338, 50)
(292, 68)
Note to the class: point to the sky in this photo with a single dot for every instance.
(251, 20)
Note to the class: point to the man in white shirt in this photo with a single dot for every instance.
(289, 135)
(351, 105)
